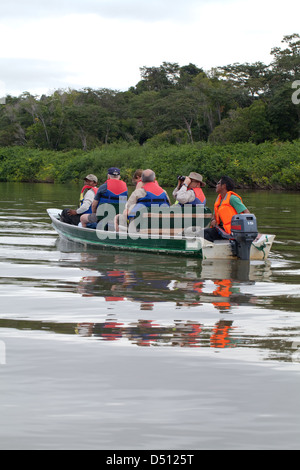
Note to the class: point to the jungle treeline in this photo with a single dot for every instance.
(171, 103)
(240, 117)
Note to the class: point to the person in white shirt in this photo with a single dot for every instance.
(88, 192)
(189, 190)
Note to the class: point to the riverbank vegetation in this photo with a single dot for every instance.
(240, 119)
(270, 165)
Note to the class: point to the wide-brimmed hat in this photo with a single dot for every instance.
(197, 177)
(91, 178)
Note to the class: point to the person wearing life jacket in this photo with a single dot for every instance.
(87, 195)
(150, 193)
(189, 191)
(122, 219)
(228, 204)
(114, 191)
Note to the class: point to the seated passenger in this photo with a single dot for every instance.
(189, 190)
(150, 193)
(114, 191)
(88, 193)
(227, 204)
(137, 178)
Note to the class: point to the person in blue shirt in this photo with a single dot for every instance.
(114, 191)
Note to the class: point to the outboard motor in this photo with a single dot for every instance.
(243, 233)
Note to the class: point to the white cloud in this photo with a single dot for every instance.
(140, 10)
(33, 75)
(88, 49)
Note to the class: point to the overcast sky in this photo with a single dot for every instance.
(46, 45)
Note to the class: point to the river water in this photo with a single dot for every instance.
(111, 350)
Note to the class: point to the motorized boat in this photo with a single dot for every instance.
(242, 244)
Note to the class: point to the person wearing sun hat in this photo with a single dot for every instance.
(190, 190)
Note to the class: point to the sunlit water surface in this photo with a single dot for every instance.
(112, 350)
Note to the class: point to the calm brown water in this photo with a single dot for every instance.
(110, 350)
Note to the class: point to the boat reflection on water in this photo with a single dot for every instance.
(159, 301)
(146, 300)
(149, 333)
(185, 282)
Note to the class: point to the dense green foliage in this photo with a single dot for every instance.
(173, 104)
(267, 165)
(241, 119)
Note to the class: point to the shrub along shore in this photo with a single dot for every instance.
(270, 165)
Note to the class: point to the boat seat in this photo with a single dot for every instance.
(172, 223)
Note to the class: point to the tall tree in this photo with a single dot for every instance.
(286, 62)
(253, 78)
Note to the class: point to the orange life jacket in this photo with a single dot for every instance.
(116, 192)
(224, 212)
(155, 195)
(199, 198)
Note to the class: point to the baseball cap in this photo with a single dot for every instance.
(91, 178)
(113, 171)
